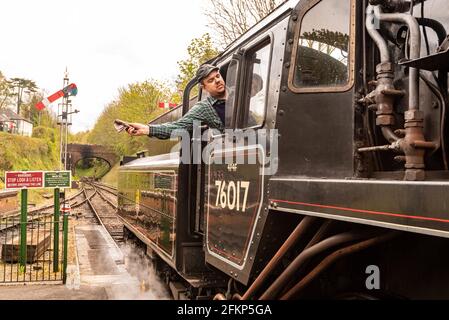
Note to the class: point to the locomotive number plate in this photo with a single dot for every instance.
(234, 197)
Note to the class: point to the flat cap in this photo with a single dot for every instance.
(204, 71)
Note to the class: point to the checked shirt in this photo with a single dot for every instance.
(203, 111)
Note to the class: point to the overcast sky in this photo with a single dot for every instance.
(105, 44)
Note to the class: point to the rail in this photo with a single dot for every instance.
(34, 214)
(107, 218)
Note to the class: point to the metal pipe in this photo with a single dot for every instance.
(56, 218)
(373, 149)
(375, 35)
(415, 48)
(436, 91)
(385, 93)
(424, 145)
(435, 26)
(290, 271)
(332, 258)
(385, 83)
(288, 244)
(389, 134)
(320, 234)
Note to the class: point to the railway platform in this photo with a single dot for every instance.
(101, 264)
(98, 269)
(99, 273)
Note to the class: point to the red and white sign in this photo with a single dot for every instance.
(21, 180)
(167, 105)
(65, 208)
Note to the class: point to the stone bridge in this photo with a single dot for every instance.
(77, 152)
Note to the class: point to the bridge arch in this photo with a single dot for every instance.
(78, 152)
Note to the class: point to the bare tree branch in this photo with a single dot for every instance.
(232, 18)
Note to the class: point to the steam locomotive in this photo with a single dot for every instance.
(348, 196)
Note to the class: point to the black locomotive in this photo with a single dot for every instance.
(348, 193)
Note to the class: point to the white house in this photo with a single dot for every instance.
(6, 124)
(22, 126)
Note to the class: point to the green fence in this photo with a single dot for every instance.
(34, 250)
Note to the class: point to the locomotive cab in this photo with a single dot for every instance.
(336, 121)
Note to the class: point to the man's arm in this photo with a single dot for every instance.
(160, 131)
(165, 130)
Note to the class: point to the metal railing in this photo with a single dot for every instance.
(34, 250)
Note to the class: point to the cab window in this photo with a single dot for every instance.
(257, 85)
(322, 59)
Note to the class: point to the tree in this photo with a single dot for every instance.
(45, 117)
(334, 39)
(138, 102)
(200, 50)
(5, 91)
(80, 137)
(22, 85)
(328, 41)
(232, 18)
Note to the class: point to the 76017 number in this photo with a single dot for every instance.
(232, 195)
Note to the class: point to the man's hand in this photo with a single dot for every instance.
(138, 129)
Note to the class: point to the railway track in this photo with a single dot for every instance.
(13, 220)
(96, 203)
(110, 189)
(104, 209)
(109, 193)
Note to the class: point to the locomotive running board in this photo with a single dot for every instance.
(420, 207)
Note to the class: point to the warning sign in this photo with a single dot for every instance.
(38, 180)
(65, 208)
(24, 180)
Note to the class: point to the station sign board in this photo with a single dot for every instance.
(38, 179)
(59, 179)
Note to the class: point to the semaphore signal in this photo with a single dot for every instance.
(70, 90)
